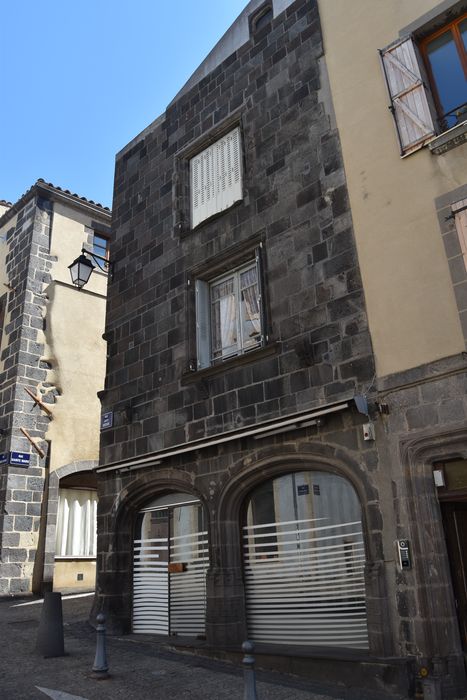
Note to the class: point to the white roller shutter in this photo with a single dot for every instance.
(407, 91)
(216, 177)
(151, 586)
(304, 583)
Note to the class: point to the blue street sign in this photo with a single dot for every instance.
(20, 458)
(303, 489)
(107, 420)
(3, 457)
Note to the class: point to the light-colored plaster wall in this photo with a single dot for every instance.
(75, 321)
(76, 351)
(410, 300)
(68, 237)
(66, 574)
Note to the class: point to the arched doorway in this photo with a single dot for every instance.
(171, 558)
(304, 559)
(451, 480)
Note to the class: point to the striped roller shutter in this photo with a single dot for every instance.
(151, 586)
(216, 177)
(188, 587)
(169, 579)
(305, 583)
(408, 95)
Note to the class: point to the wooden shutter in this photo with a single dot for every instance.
(202, 324)
(407, 91)
(216, 177)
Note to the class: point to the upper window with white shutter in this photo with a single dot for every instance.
(427, 83)
(216, 177)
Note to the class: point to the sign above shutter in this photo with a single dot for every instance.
(409, 103)
(216, 177)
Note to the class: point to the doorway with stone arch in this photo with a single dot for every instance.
(170, 560)
(304, 561)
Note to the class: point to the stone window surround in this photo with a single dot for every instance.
(258, 14)
(231, 258)
(445, 206)
(182, 195)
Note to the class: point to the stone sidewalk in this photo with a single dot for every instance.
(140, 668)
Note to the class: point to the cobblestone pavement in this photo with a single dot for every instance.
(139, 669)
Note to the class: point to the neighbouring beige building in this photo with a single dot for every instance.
(398, 78)
(52, 364)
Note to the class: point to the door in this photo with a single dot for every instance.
(169, 573)
(455, 527)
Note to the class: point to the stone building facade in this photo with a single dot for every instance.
(253, 413)
(52, 351)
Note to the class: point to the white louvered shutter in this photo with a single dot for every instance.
(408, 95)
(203, 344)
(216, 177)
(195, 183)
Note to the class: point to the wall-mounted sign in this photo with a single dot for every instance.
(107, 420)
(303, 490)
(20, 459)
(3, 457)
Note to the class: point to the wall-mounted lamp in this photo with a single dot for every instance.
(81, 268)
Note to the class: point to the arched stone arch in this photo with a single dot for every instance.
(439, 635)
(116, 522)
(226, 573)
(324, 458)
(55, 477)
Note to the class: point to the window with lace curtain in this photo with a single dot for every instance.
(229, 314)
(77, 523)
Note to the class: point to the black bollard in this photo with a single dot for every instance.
(249, 671)
(100, 668)
(50, 640)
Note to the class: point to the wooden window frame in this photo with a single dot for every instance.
(452, 27)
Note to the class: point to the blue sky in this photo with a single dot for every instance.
(80, 80)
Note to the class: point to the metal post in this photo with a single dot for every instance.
(100, 668)
(249, 671)
(50, 640)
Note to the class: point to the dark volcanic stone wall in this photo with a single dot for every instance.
(28, 265)
(295, 203)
